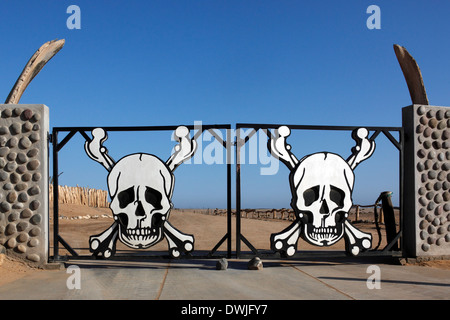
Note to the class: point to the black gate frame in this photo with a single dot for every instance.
(240, 142)
(57, 146)
(227, 144)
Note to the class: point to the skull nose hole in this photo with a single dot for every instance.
(324, 207)
(140, 212)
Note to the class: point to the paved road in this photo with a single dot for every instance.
(323, 278)
(195, 289)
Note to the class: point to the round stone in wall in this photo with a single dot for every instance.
(34, 257)
(25, 143)
(21, 248)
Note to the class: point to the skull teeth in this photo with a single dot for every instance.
(141, 234)
(142, 238)
(140, 231)
(325, 231)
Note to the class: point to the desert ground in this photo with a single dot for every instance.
(78, 222)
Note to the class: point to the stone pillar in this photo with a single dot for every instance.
(24, 230)
(426, 218)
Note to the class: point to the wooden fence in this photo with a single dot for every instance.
(288, 214)
(81, 195)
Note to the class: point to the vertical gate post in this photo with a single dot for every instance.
(229, 144)
(55, 195)
(238, 192)
(426, 230)
(24, 209)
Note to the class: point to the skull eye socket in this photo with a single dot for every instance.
(311, 195)
(153, 197)
(125, 197)
(337, 196)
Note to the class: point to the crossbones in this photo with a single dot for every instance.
(141, 186)
(321, 186)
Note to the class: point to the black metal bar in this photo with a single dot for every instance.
(244, 239)
(268, 133)
(392, 139)
(375, 135)
(229, 223)
(65, 140)
(67, 246)
(55, 195)
(85, 136)
(198, 133)
(143, 128)
(216, 136)
(247, 137)
(238, 193)
(47, 155)
(225, 237)
(394, 242)
(312, 127)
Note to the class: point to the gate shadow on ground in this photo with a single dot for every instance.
(328, 257)
(419, 283)
(201, 260)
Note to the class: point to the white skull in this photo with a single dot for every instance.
(322, 187)
(140, 186)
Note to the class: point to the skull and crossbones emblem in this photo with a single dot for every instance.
(321, 186)
(141, 186)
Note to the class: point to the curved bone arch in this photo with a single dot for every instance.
(412, 74)
(32, 68)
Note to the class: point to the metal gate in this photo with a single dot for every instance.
(70, 132)
(393, 237)
(238, 142)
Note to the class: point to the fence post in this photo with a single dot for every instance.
(389, 217)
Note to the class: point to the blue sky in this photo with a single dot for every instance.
(175, 62)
